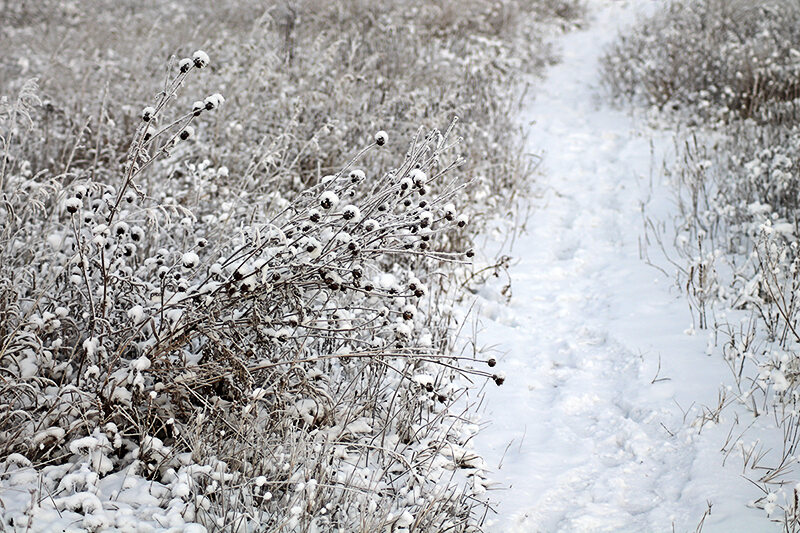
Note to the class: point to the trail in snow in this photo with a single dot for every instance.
(580, 438)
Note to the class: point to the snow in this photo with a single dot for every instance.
(593, 429)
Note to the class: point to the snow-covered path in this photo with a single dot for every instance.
(581, 437)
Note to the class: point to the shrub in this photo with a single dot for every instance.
(718, 57)
(219, 321)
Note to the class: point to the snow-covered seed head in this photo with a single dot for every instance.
(187, 133)
(121, 228)
(185, 64)
(313, 247)
(137, 233)
(198, 107)
(381, 137)
(418, 177)
(408, 312)
(450, 211)
(470, 253)
(190, 260)
(371, 224)
(72, 205)
(314, 215)
(200, 59)
(351, 213)
(491, 362)
(147, 113)
(406, 183)
(149, 132)
(213, 101)
(425, 219)
(499, 379)
(328, 200)
(462, 220)
(357, 175)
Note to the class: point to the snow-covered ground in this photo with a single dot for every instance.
(588, 433)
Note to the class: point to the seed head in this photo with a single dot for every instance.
(357, 175)
(418, 177)
(213, 101)
(328, 200)
(187, 133)
(72, 205)
(185, 64)
(381, 137)
(147, 113)
(200, 59)
(190, 260)
(351, 213)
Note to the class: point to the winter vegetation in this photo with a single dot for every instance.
(726, 73)
(233, 236)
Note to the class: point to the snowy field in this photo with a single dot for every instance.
(253, 329)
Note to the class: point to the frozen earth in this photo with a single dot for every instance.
(595, 428)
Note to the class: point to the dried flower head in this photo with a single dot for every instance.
(200, 59)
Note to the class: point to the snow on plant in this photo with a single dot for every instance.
(238, 314)
(721, 59)
(171, 331)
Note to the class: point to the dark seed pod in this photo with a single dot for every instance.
(491, 362)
